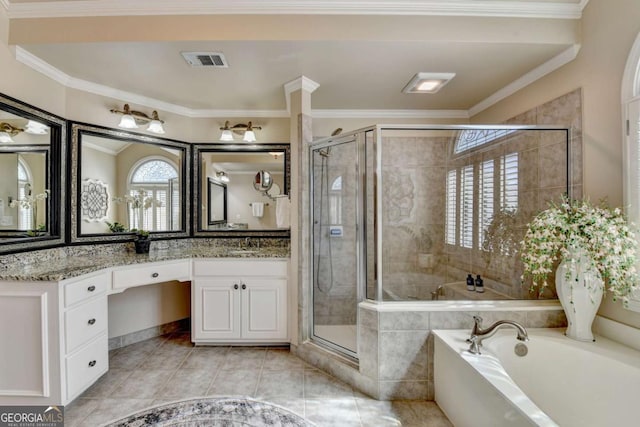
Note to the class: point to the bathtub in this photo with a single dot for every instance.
(559, 382)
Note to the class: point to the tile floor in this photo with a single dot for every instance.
(170, 368)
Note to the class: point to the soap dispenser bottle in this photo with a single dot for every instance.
(479, 284)
(470, 284)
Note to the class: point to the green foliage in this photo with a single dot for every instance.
(116, 227)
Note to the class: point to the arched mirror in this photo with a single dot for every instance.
(123, 181)
(248, 183)
(32, 168)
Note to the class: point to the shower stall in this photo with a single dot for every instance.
(406, 213)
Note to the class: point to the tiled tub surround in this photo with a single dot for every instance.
(395, 344)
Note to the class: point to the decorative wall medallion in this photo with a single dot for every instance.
(94, 200)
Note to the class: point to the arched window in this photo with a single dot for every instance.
(154, 186)
(631, 135)
(25, 215)
(335, 202)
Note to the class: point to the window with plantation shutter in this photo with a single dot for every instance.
(466, 206)
(25, 214)
(174, 195)
(509, 182)
(470, 208)
(451, 208)
(486, 198)
(152, 182)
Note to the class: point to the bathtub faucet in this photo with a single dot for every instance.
(478, 334)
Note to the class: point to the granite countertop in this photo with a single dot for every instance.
(68, 267)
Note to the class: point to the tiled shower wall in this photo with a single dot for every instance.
(413, 185)
(335, 276)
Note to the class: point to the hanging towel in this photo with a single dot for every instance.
(257, 208)
(283, 207)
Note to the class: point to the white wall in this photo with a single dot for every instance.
(240, 193)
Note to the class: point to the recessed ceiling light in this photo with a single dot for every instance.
(428, 82)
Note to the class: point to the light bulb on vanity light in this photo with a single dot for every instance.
(155, 125)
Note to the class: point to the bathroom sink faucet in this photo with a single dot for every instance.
(478, 334)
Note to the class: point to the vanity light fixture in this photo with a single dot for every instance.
(428, 82)
(36, 128)
(131, 118)
(222, 176)
(247, 130)
(7, 131)
(276, 154)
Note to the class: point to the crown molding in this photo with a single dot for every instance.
(496, 8)
(537, 73)
(390, 114)
(301, 82)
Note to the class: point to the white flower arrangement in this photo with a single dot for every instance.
(30, 201)
(602, 233)
(140, 200)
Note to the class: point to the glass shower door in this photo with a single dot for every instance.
(335, 258)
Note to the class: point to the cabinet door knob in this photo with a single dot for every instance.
(92, 363)
(91, 288)
(92, 321)
(154, 275)
(235, 286)
(244, 286)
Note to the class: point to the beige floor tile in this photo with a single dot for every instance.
(238, 382)
(280, 384)
(143, 384)
(168, 369)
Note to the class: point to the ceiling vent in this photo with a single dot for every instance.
(205, 59)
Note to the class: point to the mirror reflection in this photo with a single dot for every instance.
(253, 179)
(23, 192)
(32, 172)
(128, 182)
(217, 195)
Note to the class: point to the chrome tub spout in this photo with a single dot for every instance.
(478, 334)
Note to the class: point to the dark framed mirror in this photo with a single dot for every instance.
(32, 175)
(123, 181)
(217, 197)
(251, 211)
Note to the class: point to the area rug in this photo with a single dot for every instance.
(224, 412)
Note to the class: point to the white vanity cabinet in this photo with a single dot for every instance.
(239, 301)
(86, 343)
(54, 339)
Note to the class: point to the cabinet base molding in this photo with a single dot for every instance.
(243, 343)
(182, 325)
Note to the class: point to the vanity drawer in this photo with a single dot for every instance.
(237, 267)
(147, 274)
(85, 366)
(84, 288)
(85, 322)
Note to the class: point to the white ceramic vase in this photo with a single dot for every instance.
(580, 290)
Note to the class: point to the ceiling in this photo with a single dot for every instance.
(360, 61)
